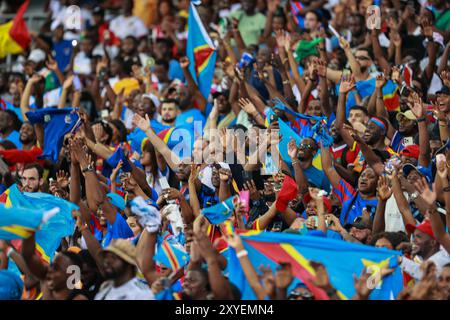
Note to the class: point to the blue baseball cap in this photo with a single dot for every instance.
(423, 171)
(116, 200)
(11, 286)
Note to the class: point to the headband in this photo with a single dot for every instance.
(379, 123)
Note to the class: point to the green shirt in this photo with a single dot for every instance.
(250, 27)
(442, 20)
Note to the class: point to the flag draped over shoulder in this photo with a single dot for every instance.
(57, 123)
(14, 35)
(340, 258)
(171, 253)
(201, 52)
(60, 225)
(220, 212)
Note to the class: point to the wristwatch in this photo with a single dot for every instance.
(414, 196)
(89, 168)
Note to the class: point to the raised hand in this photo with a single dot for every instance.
(345, 45)
(62, 179)
(51, 64)
(272, 5)
(284, 276)
(417, 106)
(427, 28)
(429, 196)
(442, 170)
(347, 84)
(235, 242)
(322, 280)
(384, 192)
(184, 62)
(116, 171)
(292, 149)
(396, 39)
(396, 75)
(141, 123)
(380, 81)
(445, 76)
(251, 187)
(247, 106)
(362, 289)
(35, 78)
(281, 38)
(224, 174)
(195, 170)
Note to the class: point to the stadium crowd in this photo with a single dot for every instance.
(320, 125)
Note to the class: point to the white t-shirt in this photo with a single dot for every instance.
(393, 220)
(128, 26)
(131, 290)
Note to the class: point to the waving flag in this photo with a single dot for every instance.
(118, 155)
(367, 87)
(14, 36)
(19, 223)
(57, 123)
(201, 52)
(48, 237)
(340, 258)
(171, 253)
(220, 212)
(179, 139)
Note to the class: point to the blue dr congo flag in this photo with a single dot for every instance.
(341, 259)
(201, 52)
(56, 123)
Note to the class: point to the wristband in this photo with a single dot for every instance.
(421, 119)
(242, 253)
(9, 251)
(295, 162)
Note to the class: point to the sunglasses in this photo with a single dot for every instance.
(362, 58)
(305, 146)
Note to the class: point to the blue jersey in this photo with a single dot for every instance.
(118, 230)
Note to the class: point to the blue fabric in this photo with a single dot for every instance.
(208, 197)
(14, 137)
(199, 45)
(341, 259)
(189, 117)
(317, 178)
(18, 223)
(175, 71)
(118, 230)
(57, 123)
(62, 53)
(10, 106)
(220, 212)
(11, 286)
(118, 155)
(116, 200)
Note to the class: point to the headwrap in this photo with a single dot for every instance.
(379, 123)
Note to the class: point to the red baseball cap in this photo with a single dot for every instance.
(425, 227)
(307, 198)
(411, 151)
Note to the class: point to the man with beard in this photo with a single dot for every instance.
(119, 266)
(306, 152)
(425, 247)
(169, 112)
(32, 178)
(29, 152)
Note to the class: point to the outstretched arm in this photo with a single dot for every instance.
(144, 124)
(145, 251)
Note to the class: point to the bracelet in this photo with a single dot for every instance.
(286, 82)
(242, 253)
(84, 227)
(9, 252)
(421, 119)
(295, 162)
